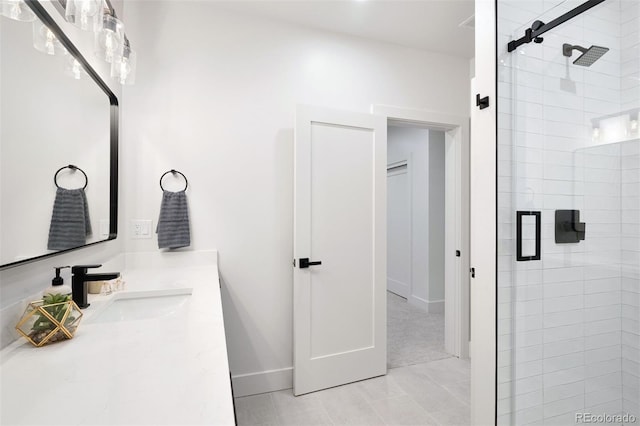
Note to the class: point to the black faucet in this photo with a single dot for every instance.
(79, 282)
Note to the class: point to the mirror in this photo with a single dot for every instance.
(51, 120)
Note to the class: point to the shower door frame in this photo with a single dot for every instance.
(484, 217)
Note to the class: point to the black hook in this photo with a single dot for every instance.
(173, 171)
(73, 168)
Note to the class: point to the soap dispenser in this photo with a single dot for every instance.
(57, 285)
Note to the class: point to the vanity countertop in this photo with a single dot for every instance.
(168, 370)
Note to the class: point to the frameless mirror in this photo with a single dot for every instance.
(58, 119)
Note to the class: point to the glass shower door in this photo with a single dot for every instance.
(569, 215)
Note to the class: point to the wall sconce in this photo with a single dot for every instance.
(123, 68)
(82, 13)
(109, 40)
(17, 10)
(44, 40)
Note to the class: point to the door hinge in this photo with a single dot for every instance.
(473, 272)
(482, 103)
(294, 263)
(457, 253)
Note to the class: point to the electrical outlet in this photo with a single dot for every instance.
(140, 229)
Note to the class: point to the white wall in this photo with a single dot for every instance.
(412, 144)
(22, 283)
(215, 98)
(437, 188)
(425, 150)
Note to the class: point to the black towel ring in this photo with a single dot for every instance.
(172, 171)
(73, 168)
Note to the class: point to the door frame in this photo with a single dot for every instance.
(457, 292)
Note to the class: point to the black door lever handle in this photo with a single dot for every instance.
(304, 263)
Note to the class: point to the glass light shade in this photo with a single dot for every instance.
(109, 40)
(81, 13)
(123, 68)
(45, 41)
(73, 68)
(17, 10)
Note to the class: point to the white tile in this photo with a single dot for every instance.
(568, 390)
(563, 406)
(563, 347)
(603, 367)
(562, 377)
(602, 354)
(602, 340)
(402, 410)
(559, 304)
(563, 362)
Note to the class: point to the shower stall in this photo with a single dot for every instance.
(568, 207)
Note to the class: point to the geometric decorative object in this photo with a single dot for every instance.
(44, 322)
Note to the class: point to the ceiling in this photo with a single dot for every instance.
(432, 25)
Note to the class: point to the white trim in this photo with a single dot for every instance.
(483, 220)
(397, 287)
(431, 306)
(456, 130)
(264, 381)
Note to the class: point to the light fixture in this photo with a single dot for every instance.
(81, 13)
(17, 10)
(595, 136)
(109, 40)
(73, 68)
(123, 68)
(44, 40)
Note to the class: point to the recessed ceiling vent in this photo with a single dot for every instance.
(470, 22)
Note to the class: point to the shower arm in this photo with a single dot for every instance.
(567, 49)
(538, 28)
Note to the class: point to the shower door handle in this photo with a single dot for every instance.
(519, 215)
(305, 263)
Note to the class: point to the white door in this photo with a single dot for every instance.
(339, 306)
(399, 228)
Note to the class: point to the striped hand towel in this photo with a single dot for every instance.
(70, 224)
(173, 225)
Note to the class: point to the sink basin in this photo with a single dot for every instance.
(141, 305)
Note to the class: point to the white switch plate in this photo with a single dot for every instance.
(141, 229)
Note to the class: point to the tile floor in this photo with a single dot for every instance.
(424, 386)
(413, 335)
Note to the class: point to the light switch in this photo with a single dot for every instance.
(141, 229)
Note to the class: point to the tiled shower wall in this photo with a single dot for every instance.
(566, 344)
(630, 217)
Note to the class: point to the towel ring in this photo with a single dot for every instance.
(73, 168)
(172, 171)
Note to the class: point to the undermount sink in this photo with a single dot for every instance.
(140, 305)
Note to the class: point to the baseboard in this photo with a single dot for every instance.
(431, 306)
(398, 287)
(264, 381)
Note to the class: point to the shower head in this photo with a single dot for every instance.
(588, 57)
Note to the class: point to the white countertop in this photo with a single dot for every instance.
(171, 370)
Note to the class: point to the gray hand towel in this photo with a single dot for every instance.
(173, 224)
(70, 224)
